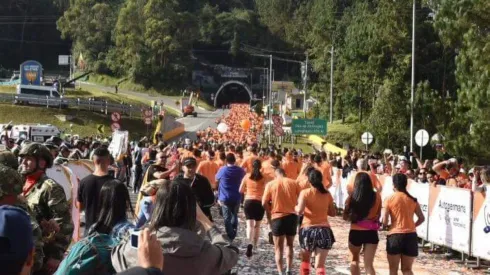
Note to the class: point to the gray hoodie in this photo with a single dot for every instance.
(185, 253)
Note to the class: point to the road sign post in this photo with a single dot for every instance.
(422, 139)
(367, 138)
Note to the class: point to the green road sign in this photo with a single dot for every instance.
(309, 127)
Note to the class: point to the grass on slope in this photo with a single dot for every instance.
(84, 122)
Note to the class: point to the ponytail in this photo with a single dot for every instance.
(400, 183)
(256, 174)
(316, 180)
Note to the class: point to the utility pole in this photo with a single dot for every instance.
(413, 77)
(270, 99)
(305, 83)
(331, 85)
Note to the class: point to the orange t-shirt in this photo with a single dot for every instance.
(303, 182)
(292, 168)
(248, 162)
(374, 181)
(316, 207)
(220, 163)
(459, 181)
(326, 173)
(373, 215)
(283, 193)
(267, 169)
(208, 169)
(401, 209)
(253, 190)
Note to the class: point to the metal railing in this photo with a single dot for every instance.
(101, 106)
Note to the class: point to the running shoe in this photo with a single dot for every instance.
(249, 250)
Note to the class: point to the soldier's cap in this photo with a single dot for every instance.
(8, 158)
(10, 182)
(190, 161)
(16, 239)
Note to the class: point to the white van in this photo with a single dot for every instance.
(37, 95)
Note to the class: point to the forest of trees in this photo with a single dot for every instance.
(155, 42)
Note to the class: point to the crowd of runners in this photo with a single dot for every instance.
(171, 229)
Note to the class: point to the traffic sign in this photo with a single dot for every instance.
(100, 128)
(115, 126)
(147, 120)
(277, 120)
(422, 138)
(367, 138)
(116, 117)
(309, 127)
(148, 113)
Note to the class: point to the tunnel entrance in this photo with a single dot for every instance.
(232, 92)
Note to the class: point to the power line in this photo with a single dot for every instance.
(33, 42)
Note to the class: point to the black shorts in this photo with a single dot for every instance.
(360, 237)
(402, 244)
(286, 225)
(311, 238)
(253, 210)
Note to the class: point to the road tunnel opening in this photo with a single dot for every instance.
(232, 92)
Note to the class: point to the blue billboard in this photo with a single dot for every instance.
(31, 73)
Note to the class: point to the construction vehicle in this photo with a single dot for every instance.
(188, 106)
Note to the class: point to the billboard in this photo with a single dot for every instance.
(31, 73)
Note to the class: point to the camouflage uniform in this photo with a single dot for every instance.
(11, 184)
(47, 200)
(52, 211)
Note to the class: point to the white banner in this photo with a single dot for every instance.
(450, 217)
(481, 226)
(421, 192)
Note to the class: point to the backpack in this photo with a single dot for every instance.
(91, 255)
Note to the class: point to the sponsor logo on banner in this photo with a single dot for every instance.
(421, 192)
(481, 226)
(450, 217)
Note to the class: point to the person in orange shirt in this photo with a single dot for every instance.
(302, 179)
(280, 197)
(221, 160)
(325, 169)
(208, 168)
(315, 235)
(449, 172)
(401, 243)
(291, 165)
(363, 210)
(247, 162)
(269, 167)
(362, 168)
(253, 187)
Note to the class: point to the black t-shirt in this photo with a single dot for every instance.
(200, 187)
(88, 196)
(156, 168)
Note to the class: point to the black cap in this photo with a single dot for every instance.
(189, 161)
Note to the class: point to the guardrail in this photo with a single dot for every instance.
(102, 106)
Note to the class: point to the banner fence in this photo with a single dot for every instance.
(455, 218)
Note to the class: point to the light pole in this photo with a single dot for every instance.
(413, 77)
(304, 87)
(331, 85)
(270, 91)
